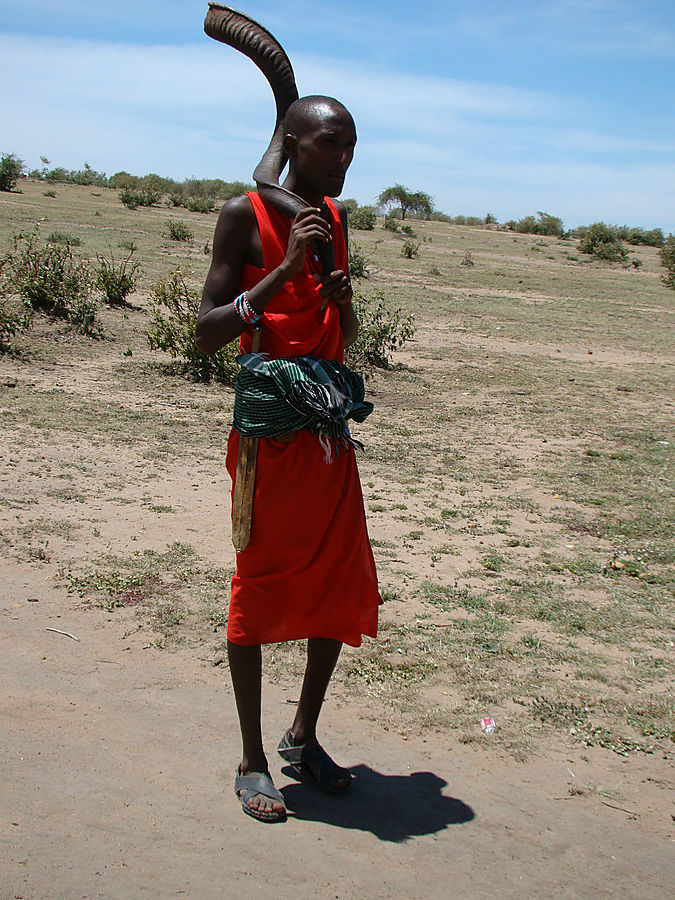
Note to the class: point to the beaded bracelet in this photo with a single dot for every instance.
(245, 311)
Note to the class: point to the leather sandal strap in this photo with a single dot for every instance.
(259, 783)
(292, 754)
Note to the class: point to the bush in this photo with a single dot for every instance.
(601, 240)
(50, 193)
(545, 224)
(358, 266)
(407, 229)
(471, 221)
(11, 321)
(638, 236)
(390, 224)
(116, 279)
(383, 330)
(174, 308)
(58, 237)
(179, 231)
(667, 255)
(351, 205)
(199, 204)
(363, 218)
(131, 199)
(410, 249)
(146, 196)
(52, 280)
(11, 168)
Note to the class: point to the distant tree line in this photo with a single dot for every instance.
(395, 202)
(195, 194)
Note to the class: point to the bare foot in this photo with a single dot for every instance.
(258, 796)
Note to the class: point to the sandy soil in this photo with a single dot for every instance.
(118, 751)
(117, 782)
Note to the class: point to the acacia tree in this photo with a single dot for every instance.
(667, 254)
(11, 168)
(399, 196)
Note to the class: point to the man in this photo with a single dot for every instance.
(308, 570)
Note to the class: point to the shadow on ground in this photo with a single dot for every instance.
(392, 807)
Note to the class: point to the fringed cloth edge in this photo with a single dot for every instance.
(275, 396)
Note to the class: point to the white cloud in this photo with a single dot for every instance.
(204, 110)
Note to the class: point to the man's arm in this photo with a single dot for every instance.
(217, 322)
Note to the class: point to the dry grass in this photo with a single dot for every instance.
(515, 477)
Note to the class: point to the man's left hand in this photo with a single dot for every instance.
(336, 287)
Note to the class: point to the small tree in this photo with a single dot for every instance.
(398, 196)
(384, 329)
(116, 278)
(362, 218)
(358, 264)
(11, 168)
(174, 307)
(601, 240)
(667, 254)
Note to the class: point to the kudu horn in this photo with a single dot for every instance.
(238, 30)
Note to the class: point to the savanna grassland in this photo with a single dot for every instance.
(516, 476)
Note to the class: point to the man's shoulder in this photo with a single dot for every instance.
(237, 209)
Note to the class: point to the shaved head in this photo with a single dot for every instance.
(306, 112)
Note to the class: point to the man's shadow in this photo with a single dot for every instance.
(392, 807)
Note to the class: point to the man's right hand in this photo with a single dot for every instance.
(308, 225)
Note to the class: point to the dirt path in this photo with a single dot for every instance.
(118, 758)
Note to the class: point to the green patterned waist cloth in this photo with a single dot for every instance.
(275, 396)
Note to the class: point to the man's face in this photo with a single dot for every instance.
(324, 151)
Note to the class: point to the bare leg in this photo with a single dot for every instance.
(322, 655)
(246, 671)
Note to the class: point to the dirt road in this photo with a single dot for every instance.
(117, 782)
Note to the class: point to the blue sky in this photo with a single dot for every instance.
(509, 108)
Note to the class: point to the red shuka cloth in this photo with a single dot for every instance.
(308, 570)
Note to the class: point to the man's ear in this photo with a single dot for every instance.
(290, 143)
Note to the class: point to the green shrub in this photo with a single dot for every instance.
(83, 314)
(410, 249)
(472, 221)
(49, 193)
(652, 238)
(131, 199)
(116, 278)
(407, 229)
(11, 168)
(58, 237)
(390, 224)
(384, 329)
(11, 321)
(146, 196)
(51, 280)
(601, 240)
(351, 205)
(544, 223)
(358, 266)
(174, 307)
(362, 218)
(200, 204)
(179, 231)
(667, 255)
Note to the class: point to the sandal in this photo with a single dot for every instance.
(313, 761)
(247, 786)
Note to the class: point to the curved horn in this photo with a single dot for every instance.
(249, 37)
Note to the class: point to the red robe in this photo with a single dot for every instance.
(308, 570)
